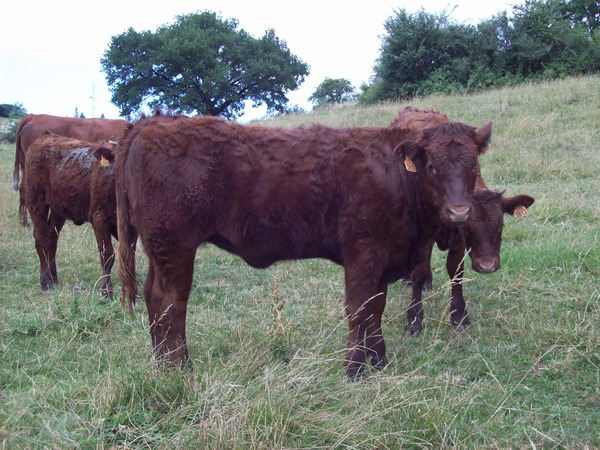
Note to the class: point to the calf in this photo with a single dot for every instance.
(66, 178)
(33, 126)
(480, 236)
(366, 198)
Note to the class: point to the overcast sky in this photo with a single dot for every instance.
(50, 51)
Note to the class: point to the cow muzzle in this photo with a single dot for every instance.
(458, 213)
(486, 265)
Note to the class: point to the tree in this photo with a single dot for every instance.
(548, 41)
(201, 64)
(338, 90)
(417, 47)
(14, 111)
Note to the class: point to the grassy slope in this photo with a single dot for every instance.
(75, 372)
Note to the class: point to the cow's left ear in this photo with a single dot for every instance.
(105, 155)
(517, 205)
(411, 154)
(483, 137)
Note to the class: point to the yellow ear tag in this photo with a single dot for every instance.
(410, 165)
(520, 211)
(104, 161)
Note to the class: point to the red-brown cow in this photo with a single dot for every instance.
(480, 236)
(366, 198)
(67, 178)
(33, 126)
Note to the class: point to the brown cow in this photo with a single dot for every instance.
(366, 198)
(67, 178)
(33, 126)
(480, 236)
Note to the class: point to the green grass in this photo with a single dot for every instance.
(268, 345)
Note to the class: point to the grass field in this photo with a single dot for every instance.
(268, 345)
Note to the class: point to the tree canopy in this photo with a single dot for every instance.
(423, 53)
(201, 64)
(331, 91)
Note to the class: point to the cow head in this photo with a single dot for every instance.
(445, 161)
(482, 233)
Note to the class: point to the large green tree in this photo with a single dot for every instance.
(201, 64)
(333, 90)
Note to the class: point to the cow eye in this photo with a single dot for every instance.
(430, 168)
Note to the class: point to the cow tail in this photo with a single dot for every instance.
(20, 166)
(126, 232)
(19, 153)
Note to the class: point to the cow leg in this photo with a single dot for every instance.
(375, 345)
(363, 308)
(22, 206)
(46, 229)
(421, 277)
(166, 291)
(455, 268)
(414, 315)
(107, 258)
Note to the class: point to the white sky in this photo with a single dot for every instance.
(50, 51)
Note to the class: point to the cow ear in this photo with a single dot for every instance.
(411, 154)
(105, 155)
(517, 205)
(483, 137)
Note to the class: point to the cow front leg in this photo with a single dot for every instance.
(364, 307)
(458, 308)
(166, 292)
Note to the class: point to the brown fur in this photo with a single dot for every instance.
(64, 180)
(271, 194)
(33, 126)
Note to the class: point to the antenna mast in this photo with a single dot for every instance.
(93, 97)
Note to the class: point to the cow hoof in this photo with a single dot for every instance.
(413, 329)
(461, 327)
(48, 285)
(355, 371)
(379, 363)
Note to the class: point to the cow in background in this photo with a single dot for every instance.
(33, 126)
(480, 236)
(70, 179)
(366, 198)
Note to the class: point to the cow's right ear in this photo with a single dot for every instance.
(105, 155)
(411, 154)
(517, 205)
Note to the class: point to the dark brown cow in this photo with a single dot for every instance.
(33, 126)
(366, 198)
(480, 236)
(67, 178)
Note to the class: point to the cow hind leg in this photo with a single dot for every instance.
(107, 259)
(166, 292)
(414, 314)
(375, 344)
(46, 232)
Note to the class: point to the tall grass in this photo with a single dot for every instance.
(268, 345)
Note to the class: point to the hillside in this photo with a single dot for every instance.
(267, 345)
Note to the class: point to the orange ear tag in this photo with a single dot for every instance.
(410, 165)
(520, 211)
(104, 161)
